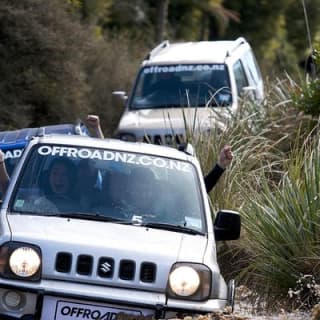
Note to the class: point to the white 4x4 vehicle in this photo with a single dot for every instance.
(185, 85)
(78, 242)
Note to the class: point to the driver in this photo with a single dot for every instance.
(56, 184)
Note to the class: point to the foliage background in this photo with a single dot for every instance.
(61, 59)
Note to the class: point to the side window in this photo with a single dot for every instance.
(240, 76)
(252, 66)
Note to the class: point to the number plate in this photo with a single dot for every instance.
(68, 309)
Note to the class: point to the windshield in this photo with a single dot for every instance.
(176, 86)
(99, 184)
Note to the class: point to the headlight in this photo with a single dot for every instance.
(20, 261)
(24, 262)
(190, 281)
(184, 281)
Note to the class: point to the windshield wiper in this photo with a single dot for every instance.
(170, 227)
(89, 216)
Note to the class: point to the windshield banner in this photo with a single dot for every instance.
(116, 156)
(184, 68)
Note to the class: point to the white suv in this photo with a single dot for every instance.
(185, 85)
(90, 228)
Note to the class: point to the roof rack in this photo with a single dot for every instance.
(158, 48)
(237, 43)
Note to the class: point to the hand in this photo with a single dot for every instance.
(225, 157)
(93, 121)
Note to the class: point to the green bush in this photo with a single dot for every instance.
(307, 97)
(42, 56)
(282, 225)
(273, 182)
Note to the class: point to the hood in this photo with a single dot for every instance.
(176, 118)
(54, 234)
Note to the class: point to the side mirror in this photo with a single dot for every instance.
(119, 98)
(249, 92)
(227, 225)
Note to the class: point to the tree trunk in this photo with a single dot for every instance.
(161, 19)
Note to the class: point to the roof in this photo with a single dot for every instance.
(113, 144)
(16, 139)
(190, 52)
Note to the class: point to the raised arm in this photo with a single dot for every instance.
(93, 122)
(225, 158)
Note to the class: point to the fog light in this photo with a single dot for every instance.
(13, 300)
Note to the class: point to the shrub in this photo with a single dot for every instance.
(42, 55)
(307, 97)
(281, 224)
(272, 184)
(112, 65)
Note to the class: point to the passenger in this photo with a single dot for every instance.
(56, 184)
(93, 122)
(225, 159)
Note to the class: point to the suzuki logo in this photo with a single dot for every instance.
(105, 267)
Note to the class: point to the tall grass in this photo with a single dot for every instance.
(282, 225)
(261, 137)
(274, 182)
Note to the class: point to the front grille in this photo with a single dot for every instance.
(127, 270)
(63, 262)
(148, 272)
(84, 264)
(105, 267)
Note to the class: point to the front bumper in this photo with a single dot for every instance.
(34, 294)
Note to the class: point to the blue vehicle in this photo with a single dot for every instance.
(12, 143)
